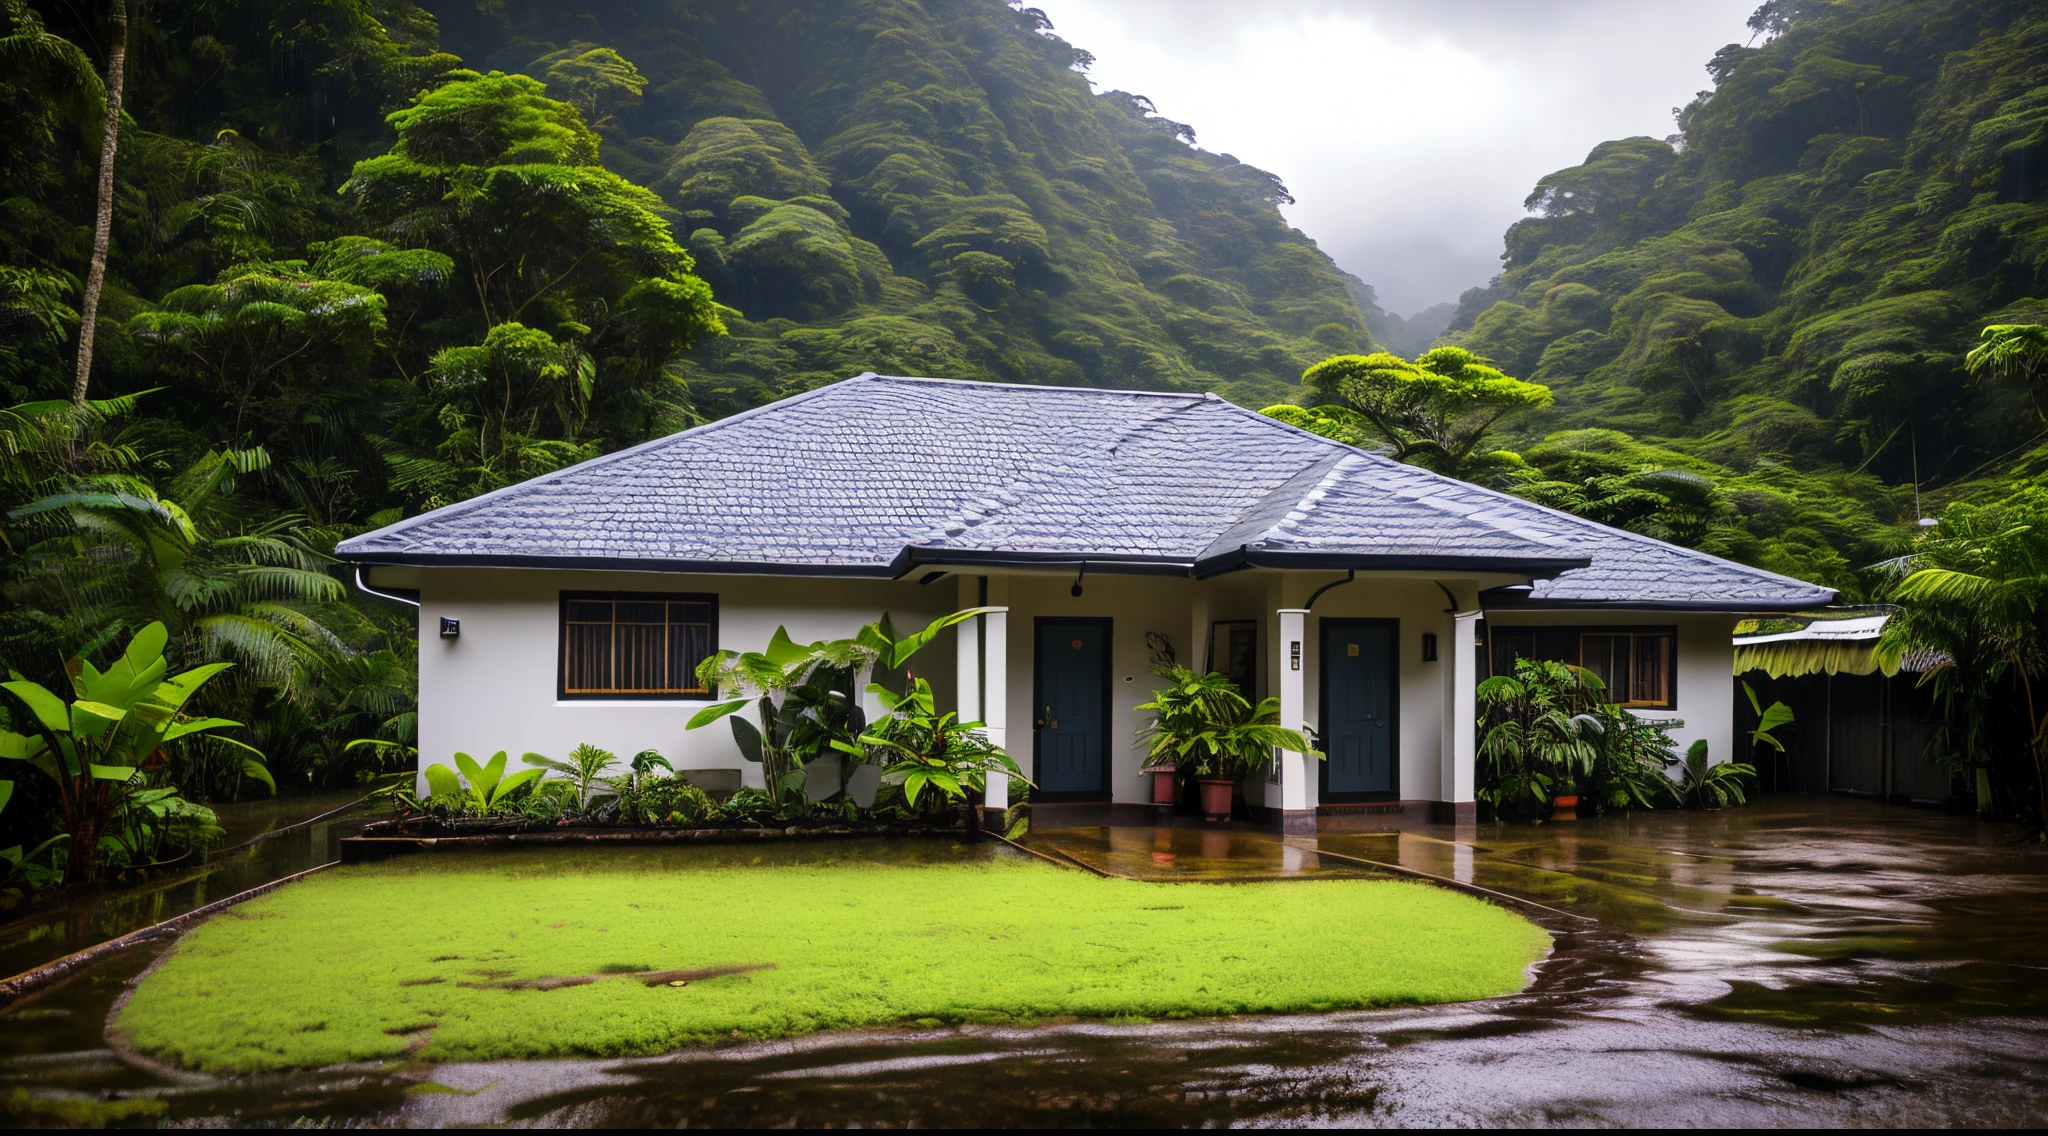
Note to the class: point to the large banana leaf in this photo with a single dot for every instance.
(48, 708)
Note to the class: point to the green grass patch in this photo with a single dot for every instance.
(471, 956)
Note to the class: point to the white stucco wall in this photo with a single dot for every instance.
(494, 686)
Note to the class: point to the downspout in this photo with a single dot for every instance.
(365, 587)
(1349, 575)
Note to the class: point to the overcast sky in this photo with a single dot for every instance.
(1408, 130)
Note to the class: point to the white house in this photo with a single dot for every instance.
(1371, 597)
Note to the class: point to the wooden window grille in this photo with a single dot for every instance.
(636, 644)
(1635, 665)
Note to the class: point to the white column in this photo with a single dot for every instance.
(995, 677)
(967, 652)
(1292, 671)
(1461, 732)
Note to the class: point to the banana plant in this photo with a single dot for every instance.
(117, 726)
(805, 695)
(480, 788)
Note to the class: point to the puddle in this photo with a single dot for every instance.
(1805, 961)
(33, 938)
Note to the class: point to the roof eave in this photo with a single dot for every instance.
(1504, 599)
(1128, 564)
(884, 571)
(1248, 557)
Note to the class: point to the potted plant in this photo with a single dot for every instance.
(1203, 724)
(1165, 777)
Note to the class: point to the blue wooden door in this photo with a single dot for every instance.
(1358, 709)
(1071, 720)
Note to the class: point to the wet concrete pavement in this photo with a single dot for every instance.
(1806, 961)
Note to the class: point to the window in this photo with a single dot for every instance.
(1234, 650)
(1638, 664)
(636, 644)
(1635, 665)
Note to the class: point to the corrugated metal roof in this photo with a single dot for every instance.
(874, 475)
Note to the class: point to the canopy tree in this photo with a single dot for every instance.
(506, 182)
(1433, 412)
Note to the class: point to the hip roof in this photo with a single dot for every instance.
(876, 475)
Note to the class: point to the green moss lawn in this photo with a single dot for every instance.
(464, 956)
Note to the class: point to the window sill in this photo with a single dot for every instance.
(615, 703)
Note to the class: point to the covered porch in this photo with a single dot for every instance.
(1379, 668)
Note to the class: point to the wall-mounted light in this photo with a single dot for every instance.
(1294, 655)
(450, 628)
(1429, 647)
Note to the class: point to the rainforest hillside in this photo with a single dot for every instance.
(1779, 297)
(933, 189)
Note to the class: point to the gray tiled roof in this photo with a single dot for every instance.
(875, 475)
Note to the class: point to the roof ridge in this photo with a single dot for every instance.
(1037, 387)
(461, 508)
(1540, 509)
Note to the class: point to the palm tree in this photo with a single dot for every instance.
(116, 555)
(1976, 599)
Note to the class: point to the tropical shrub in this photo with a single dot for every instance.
(1547, 730)
(102, 748)
(1631, 759)
(1206, 727)
(479, 789)
(1540, 730)
(1705, 785)
(584, 770)
(667, 801)
(925, 749)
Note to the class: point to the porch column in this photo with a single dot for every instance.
(1297, 803)
(992, 675)
(1461, 732)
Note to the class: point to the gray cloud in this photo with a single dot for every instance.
(1410, 131)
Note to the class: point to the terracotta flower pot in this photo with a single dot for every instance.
(1162, 786)
(1216, 797)
(1564, 806)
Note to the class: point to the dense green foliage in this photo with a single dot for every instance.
(933, 189)
(353, 275)
(1548, 730)
(1974, 601)
(1779, 299)
(342, 967)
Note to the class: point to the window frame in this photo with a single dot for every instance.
(562, 691)
(1578, 632)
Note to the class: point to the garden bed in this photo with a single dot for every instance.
(545, 952)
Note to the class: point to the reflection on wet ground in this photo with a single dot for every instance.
(1805, 961)
(255, 852)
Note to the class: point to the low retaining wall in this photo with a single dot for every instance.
(364, 849)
